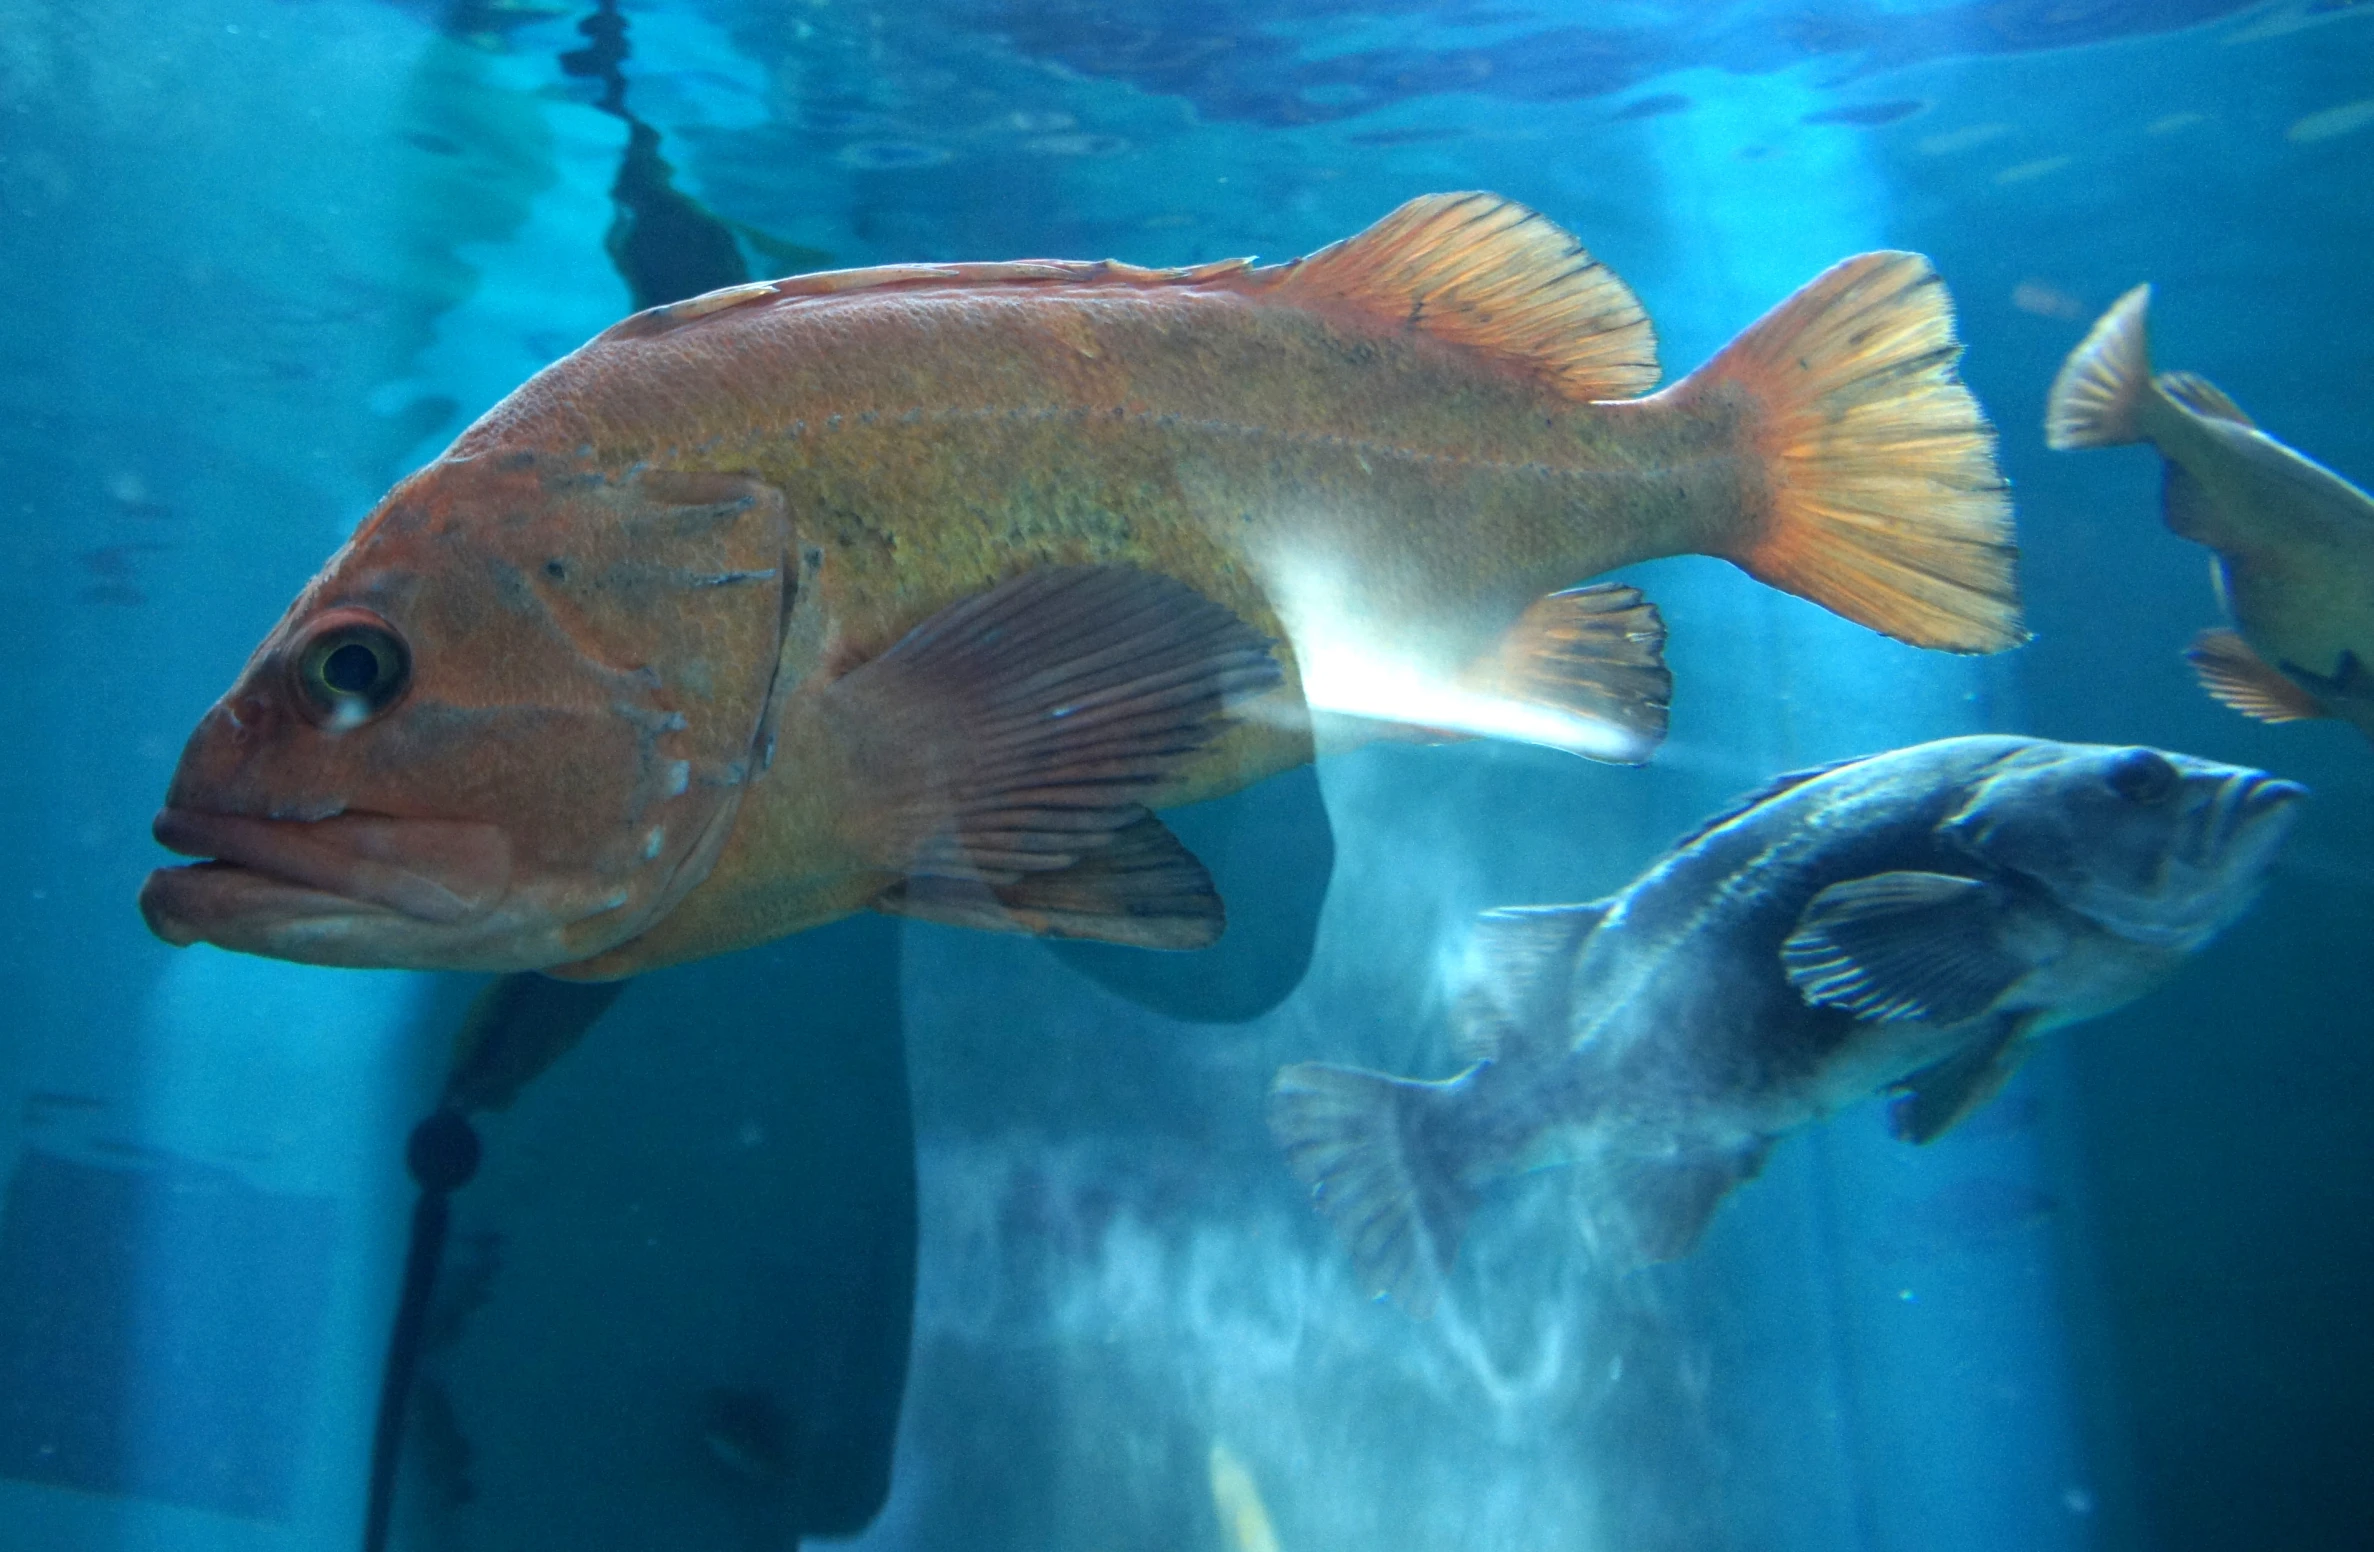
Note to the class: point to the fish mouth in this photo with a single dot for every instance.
(260, 875)
(2245, 804)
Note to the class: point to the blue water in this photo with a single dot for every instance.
(262, 257)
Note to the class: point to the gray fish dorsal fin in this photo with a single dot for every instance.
(1760, 796)
(1926, 946)
(2202, 397)
(1935, 1098)
(1657, 1209)
(1524, 957)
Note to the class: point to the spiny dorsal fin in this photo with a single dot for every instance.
(1522, 958)
(1586, 669)
(1029, 273)
(2237, 677)
(1485, 272)
(1760, 796)
(2202, 397)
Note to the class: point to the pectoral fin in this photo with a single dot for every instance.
(1933, 1099)
(1658, 1209)
(1005, 749)
(1584, 670)
(2236, 676)
(1905, 946)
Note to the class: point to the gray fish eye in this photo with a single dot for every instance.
(2142, 776)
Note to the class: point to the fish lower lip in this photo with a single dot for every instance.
(435, 870)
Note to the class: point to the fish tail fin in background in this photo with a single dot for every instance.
(2100, 388)
(1884, 501)
(1370, 1148)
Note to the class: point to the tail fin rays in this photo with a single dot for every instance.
(1359, 1141)
(2095, 394)
(1885, 502)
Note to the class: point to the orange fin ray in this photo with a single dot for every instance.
(1142, 888)
(1487, 273)
(1586, 670)
(1885, 504)
(2239, 678)
(1020, 732)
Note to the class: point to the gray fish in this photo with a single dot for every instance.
(2293, 541)
(1910, 922)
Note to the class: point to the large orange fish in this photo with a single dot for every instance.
(917, 588)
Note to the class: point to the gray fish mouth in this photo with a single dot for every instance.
(2243, 806)
(444, 872)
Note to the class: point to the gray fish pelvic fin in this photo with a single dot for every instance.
(1370, 1148)
(1931, 1101)
(1927, 946)
(1657, 1209)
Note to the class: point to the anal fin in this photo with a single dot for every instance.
(1657, 1209)
(1142, 888)
(2236, 676)
(1582, 670)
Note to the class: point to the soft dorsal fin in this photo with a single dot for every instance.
(1471, 269)
(1761, 795)
(2202, 397)
(1523, 957)
(1487, 273)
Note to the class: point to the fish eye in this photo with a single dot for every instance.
(351, 668)
(2142, 776)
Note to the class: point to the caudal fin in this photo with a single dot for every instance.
(2095, 394)
(1362, 1143)
(1882, 499)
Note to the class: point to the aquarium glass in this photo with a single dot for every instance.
(900, 1230)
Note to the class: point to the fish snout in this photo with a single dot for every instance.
(2257, 809)
(440, 871)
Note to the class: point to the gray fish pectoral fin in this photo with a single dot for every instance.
(1928, 946)
(1658, 1209)
(1932, 1100)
